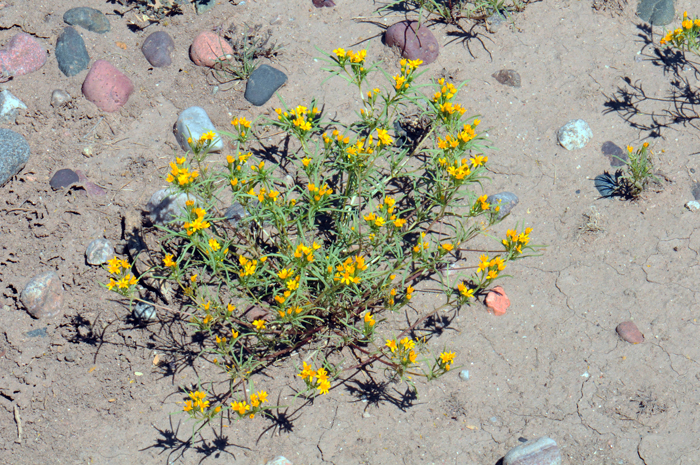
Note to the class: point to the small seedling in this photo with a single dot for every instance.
(248, 48)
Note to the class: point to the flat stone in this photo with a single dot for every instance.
(497, 301)
(88, 18)
(542, 451)
(106, 86)
(615, 154)
(99, 251)
(323, 3)
(9, 105)
(193, 123)
(696, 191)
(63, 178)
(23, 54)
(158, 48)
(71, 54)
(41, 332)
(145, 312)
(413, 41)
(506, 200)
(209, 48)
(263, 83)
(43, 296)
(507, 77)
(166, 205)
(656, 12)
(574, 135)
(202, 6)
(14, 154)
(59, 98)
(629, 332)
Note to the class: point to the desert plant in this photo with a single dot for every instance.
(638, 172)
(686, 37)
(248, 47)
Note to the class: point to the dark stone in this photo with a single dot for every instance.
(202, 6)
(71, 54)
(88, 18)
(608, 185)
(14, 154)
(617, 156)
(506, 200)
(63, 178)
(414, 42)
(41, 332)
(322, 3)
(263, 83)
(696, 191)
(157, 49)
(507, 77)
(656, 12)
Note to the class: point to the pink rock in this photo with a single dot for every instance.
(630, 333)
(208, 48)
(415, 42)
(106, 86)
(23, 54)
(498, 301)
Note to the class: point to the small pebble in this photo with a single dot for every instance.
(41, 332)
(145, 312)
(9, 104)
(43, 296)
(507, 77)
(209, 48)
(617, 156)
(498, 301)
(695, 190)
(192, 123)
(106, 86)
(263, 83)
(14, 154)
(506, 200)
(495, 21)
(693, 205)
(88, 18)
(70, 356)
(574, 135)
(158, 48)
(629, 332)
(542, 451)
(23, 54)
(99, 251)
(63, 178)
(165, 206)
(323, 3)
(59, 98)
(413, 41)
(202, 6)
(464, 375)
(279, 461)
(71, 54)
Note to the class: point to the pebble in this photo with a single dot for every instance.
(279, 460)
(235, 213)
(14, 154)
(508, 201)
(43, 296)
(71, 54)
(23, 54)
(507, 77)
(495, 21)
(99, 251)
(107, 87)
(629, 332)
(166, 206)
(606, 184)
(693, 205)
(413, 41)
(263, 83)
(696, 191)
(542, 451)
(63, 178)
(575, 134)
(158, 48)
(41, 332)
(59, 98)
(208, 48)
(192, 123)
(145, 312)
(498, 301)
(656, 12)
(323, 3)
(9, 104)
(617, 156)
(202, 6)
(88, 18)
(464, 375)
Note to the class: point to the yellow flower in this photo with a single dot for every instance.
(262, 396)
(339, 52)
(214, 245)
(259, 324)
(408, 343)
(493, 274)
(369, 319)
(307, 372)
(241, 407)
(383, 137)
(324, 386)
(168, 261)
(412, 356)
(391, 344)
(447, 247)
(305, 161)
(447, 358)
(112, 284)
(484, 263)
(188, 406)
(234, 333)
(285, 273)
(114, 265)
(465, 291)
(630, 149)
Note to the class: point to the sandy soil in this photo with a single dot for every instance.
(553, 366)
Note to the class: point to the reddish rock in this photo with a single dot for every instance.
(629, 332)
(23, 54)
(414, 42)
(498, 301)
(208, 48)
(106, 86)
(43, 296)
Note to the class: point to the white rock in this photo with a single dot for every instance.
(279, 461)
(192, 123)
(9, 104)
(99, 251)
(575, 134)
(166, 205)
(693, 205)
(464, 375)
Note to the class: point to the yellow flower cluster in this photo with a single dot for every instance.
(243, 408)
(459, 170)
(354, 57)
(369, 319)
(169, 262)
(421, 245)
(303, 250)
(491, 266)
(122, 269)
(348, 272)
(308, 374)
(388, 207)
(687, 34)
(465, 291)
(383, 138)
(241, 124)
(403, 80)
(180, 173)
(264, 195)
(300, 117)
(467, 134)
(447, 91)
(340, 139)
(248, 266)
(515, 241)
(319, 192)
(196, 402)
(446, 360)
(403, 350)
(198, 224)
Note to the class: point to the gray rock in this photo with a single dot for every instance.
(202, 6)
(14, 154)
(71, 54)
(166, 205)
(59, 98)
(263, 83)
(99, 251)
(9, 104)
(43, 296)
(88, 18)
(158, 48)
(506, 200)
(542, 451)
(696, 191)
(70, 356)
(145, 312)
(235, 213)
(193, 122)
(63, 178)
(507, 77)
(656, 12)
(41, 332)
(464, 375)
(495, 21)
(574, 135)
(617, 156)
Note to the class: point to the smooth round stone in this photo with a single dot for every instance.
(9, 105)
(23, 54)
(158, 48)
(464, 375)
(209, 48)
(59, 98)
(71, 54)
(414, 42)
(63, 178)
(656, 12)
(629, 332)
(193, 123)
(88, 18)
(99, 251)
(574, 135)
(106, 86)
(508, 77)
(166, 205)
(14, 154)
(323, 3)
(43, 296)
(505, 200)
(542, 451)
(617, 156)
(695, 190)
(145, 312)
(263, 83)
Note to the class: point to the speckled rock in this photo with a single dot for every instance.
(574, 135)
(192, 123)
(263, 83)
(9, 105)
(413, 42)
(88, 18)
(629, 332)
(208, 48)
(99, 251)
(14, 154)
(71, 54)
(542, 451)
(106, 86)
(145, 312)
(508, 77)
(158, 48)
(23, 54)
(63, 178)
(497, 301)
(505, 200)
(166, 205)
(43, 296)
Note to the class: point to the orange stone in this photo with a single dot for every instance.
(498, 301)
